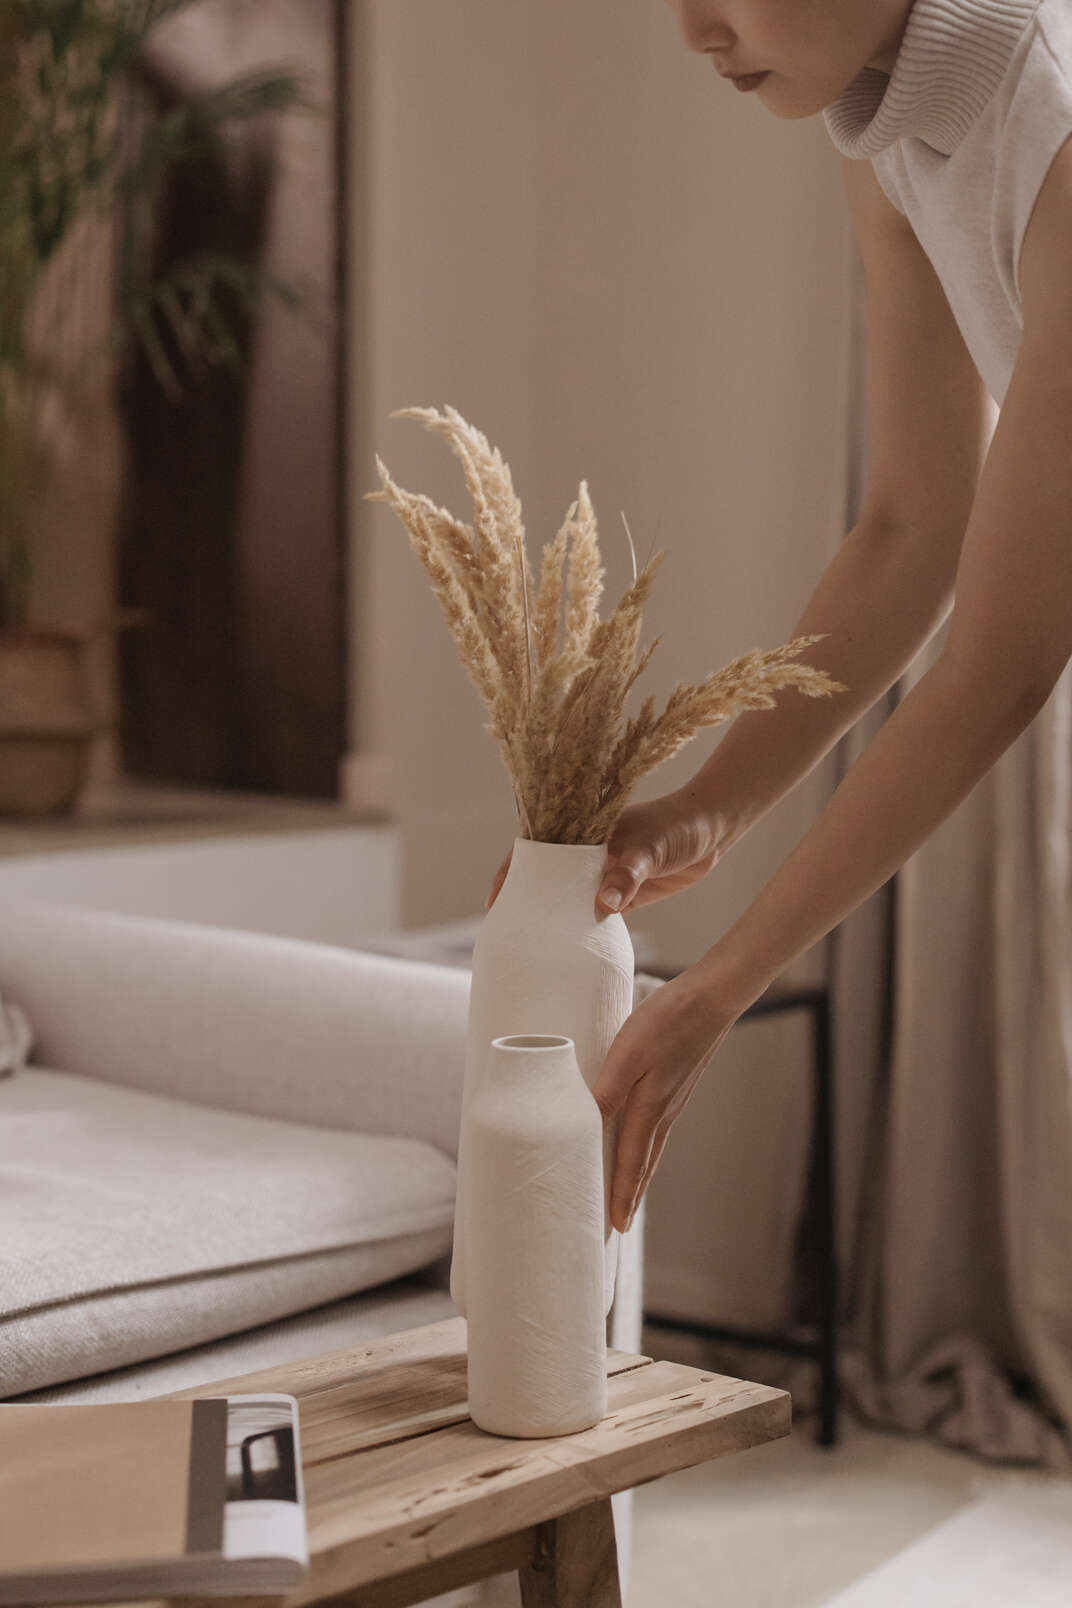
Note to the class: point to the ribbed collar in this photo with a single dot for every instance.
(952, 59)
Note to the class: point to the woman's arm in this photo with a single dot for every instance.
(886, 591)
(1009, 639)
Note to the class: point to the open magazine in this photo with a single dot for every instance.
(150, 1499)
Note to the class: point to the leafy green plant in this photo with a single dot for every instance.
(71, 149)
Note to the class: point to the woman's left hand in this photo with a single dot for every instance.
(651, 1070)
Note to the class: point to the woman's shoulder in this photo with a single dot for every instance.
(1053, 27)
(1046, 56)
(1036, 115)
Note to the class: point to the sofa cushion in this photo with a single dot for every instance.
(297, 1031)
(406, 1303)
(135, 1224)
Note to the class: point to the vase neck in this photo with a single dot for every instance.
(566, 873)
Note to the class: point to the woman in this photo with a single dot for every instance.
(953, 118)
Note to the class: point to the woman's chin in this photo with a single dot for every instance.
(791, 101)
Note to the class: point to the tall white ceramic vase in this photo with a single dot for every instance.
(534, 1237)
(544, 964)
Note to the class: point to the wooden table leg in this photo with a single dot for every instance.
(577, 1566)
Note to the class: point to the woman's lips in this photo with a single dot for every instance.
(747, 81)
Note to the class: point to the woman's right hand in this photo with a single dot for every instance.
(656, 849)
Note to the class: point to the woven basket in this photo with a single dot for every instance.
(45, 728)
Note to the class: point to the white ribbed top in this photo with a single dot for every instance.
(954, 56)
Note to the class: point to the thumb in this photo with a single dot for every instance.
(500, 878)
(622, 881)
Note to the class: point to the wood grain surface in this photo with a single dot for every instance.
(576, 1565)
(406, 1497)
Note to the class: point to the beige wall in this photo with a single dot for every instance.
(620, 269)
(449, 315)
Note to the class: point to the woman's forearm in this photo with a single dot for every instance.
(881, 598)
(928, 756)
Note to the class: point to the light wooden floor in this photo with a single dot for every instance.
(796, 1528)
(789, 1526)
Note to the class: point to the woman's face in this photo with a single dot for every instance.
(795, 55)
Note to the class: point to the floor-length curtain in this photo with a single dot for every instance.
(952, 994)
(964, 1314)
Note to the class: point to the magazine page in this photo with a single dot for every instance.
(264, 1512)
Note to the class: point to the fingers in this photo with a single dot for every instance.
(628, 1084)
(641, 1143)
(622, 881)
(618, 1088)
(635, 1142)
(662, 1133)
(500, 878)
(650, 1072)
(626, 1063)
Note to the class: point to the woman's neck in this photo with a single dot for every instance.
(885, 58)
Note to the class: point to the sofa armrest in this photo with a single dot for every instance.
(272, 1026)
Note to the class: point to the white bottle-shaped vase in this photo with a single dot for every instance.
(534, 1237)
(543, 963)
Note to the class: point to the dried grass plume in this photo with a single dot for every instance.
(555, 676)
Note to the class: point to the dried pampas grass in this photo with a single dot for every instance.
(553, 675)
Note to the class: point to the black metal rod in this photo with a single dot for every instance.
(787, 1345)
(774, 1004)
(825, 1224)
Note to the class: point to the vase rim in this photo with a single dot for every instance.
(527, 1043)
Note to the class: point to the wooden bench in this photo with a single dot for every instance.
(407, 1498)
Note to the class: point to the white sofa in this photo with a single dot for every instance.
(216, 1131)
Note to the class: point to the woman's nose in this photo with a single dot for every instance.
(703, 28)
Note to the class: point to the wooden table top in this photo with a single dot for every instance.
(399, 1482)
